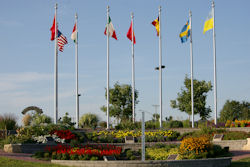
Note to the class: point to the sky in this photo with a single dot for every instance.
(27, 54)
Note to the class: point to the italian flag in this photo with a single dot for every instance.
(74, 34)
(111, 29)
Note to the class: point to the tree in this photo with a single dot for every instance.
(120, 99)
(156, 117)
(233, 110)
(183, 101)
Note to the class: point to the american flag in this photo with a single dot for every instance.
(61, 41)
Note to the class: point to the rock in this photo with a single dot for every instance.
(12, 148)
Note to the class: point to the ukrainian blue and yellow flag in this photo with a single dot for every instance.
(185, 32)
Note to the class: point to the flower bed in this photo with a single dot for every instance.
(237, 123)
(118, 136)
(87, 152)
(200, 147)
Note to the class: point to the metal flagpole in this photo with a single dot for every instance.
(133, 70)
(191, 64)
(107, 32)
(160, 67)
(56, 72)
(215, 81)
(77, 97)
(143, 138)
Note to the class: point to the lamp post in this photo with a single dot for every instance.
(160, 78)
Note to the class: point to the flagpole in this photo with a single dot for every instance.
(160, 68)
(215, 78)
(107, 32)
(56, 72)
(133, 70)
(77, 96)
(191, 64)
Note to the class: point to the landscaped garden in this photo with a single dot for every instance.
(91, 142)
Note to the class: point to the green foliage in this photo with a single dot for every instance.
(161, 151)
(235, 135)
(183, 101)
(120, 99)
(8, 122)
(24, 135)
(89, 120)
(128, 125)
(186, 124)
(176, 124)
(156, 117)
(38, 119)
(103, 124)
(39, 154)
(66, 121)
(12, 139)
(74, 157)
(93, 158)
(233, 110)
(152, 125)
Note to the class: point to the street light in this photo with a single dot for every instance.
(160, 86)
(162, 67)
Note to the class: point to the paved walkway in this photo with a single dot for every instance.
(237, 155)
(240, 154)
(20, 156)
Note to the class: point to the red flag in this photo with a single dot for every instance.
(52, 29)
(129, 34)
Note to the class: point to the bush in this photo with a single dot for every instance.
(38, 119)
(27, 119)
(89, 120)
(152, 125)
(195, 147)
(66, 121)
(65, 156)
(228, 123)
(103, 124)
(128, 125)
(176, 124)
(46, 155)
(161, 151)
(236, 135)
(74, 157)
(186, 124)
(93, 158)
(8, 122)
(39, 154)
(54, 156)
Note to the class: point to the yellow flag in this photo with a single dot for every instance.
(209, 23)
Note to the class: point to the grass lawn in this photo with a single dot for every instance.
(241, 163)
(7, 162)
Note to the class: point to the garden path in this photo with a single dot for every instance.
(21, 156)
(240, 154)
